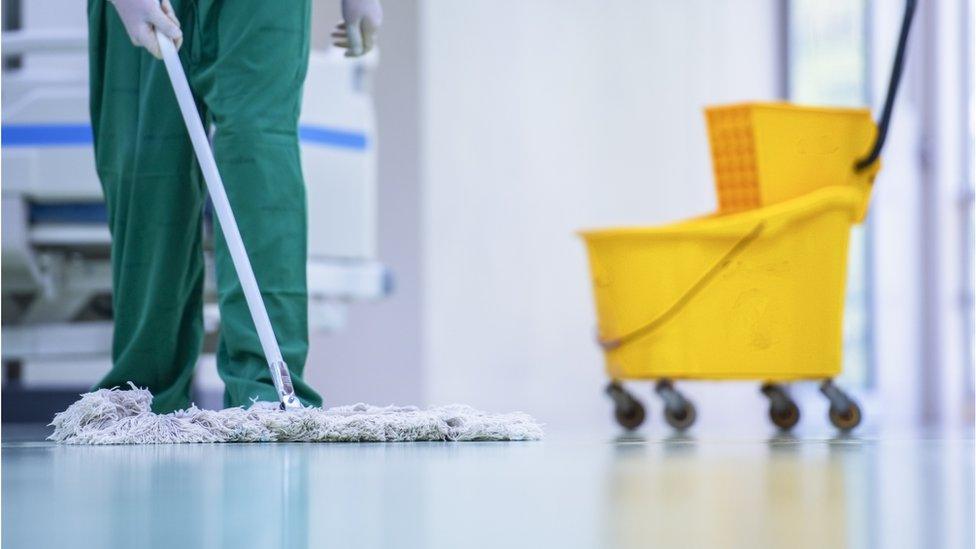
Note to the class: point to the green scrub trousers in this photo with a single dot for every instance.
(246, 62)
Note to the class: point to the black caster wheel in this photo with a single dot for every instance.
(783, 411)
(679, 412)
(848, 419)
(630, 417)
(844, 413)
(785, 418)
(627, 410)
(681, 418)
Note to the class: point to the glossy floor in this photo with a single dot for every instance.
(567, 491)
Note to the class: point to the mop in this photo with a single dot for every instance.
(124, 416)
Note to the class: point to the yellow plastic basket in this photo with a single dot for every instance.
(753, 295)
(765, 153)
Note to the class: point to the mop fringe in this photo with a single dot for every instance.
(115, 416)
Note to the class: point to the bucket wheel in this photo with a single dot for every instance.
(679, 412)
(627, 410)
(783, 411)
(844, 413)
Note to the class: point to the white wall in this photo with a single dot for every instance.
(540, 118)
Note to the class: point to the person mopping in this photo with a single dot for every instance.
(246, 62)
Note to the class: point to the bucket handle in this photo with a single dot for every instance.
(609, 344)
(896, 69)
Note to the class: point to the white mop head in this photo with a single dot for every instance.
(113, 416)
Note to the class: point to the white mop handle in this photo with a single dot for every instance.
(201, 145)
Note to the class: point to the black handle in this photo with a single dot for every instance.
(896, 70)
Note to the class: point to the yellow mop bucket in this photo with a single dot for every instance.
(756, 290)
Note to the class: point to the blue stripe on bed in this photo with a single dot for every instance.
(66, 135)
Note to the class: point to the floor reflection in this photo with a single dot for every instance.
(629, 491)
(156, 496)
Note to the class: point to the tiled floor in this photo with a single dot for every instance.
(567, 491)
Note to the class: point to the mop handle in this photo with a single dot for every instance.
(201, 146)
(897, 66)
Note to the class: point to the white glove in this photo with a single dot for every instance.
(142, 17)
(361, 19)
